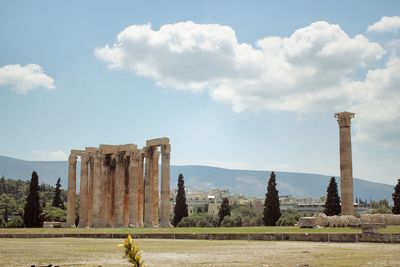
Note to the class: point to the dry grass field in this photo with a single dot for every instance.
(105, 252)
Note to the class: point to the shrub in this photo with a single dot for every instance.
(383, 209)
(15, 222)
(232, 221)
(53, 214)
(187, 222)
(288, 218)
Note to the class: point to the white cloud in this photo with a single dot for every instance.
(378, 108)
(385, 24)
(23, 79)
(317, 68)
(50, 155)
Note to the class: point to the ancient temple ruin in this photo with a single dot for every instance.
(346, 162)
(119, 185)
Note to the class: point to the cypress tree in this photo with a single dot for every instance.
(272, 211)
(332, 204)
(396, 198)
(3, 188)
(57, 201)
(181, 208)
(5, 218)
(224, 210)
(33, 209)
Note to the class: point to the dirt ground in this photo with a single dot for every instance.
(105, 252)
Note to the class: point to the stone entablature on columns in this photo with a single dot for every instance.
(113, 188)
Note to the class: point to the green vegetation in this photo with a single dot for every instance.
(332, 204)
(199, 219)
(52, 214)
(380, 207)
(33, 209)
(271, 205)
(288, 218)
(232, 221)
(224, 210)
(241, 215)
(13, 196)
(57, 200)
(181, 208)
(248, 215)
(396, 198)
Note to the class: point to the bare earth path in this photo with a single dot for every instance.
(104, 252)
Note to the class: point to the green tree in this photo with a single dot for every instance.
(53, 214)
(15, 222)
(57, 201)
(6, 214)
(33, 209)
(3, 188)
(224, 210)
(332, 204)
(396, 198)
(272, 211)
(289, 218)
(181, 208)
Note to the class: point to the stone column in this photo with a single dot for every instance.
(148, 188)
(165, 186)
(126, 189)
(71, 190)
(119, 191)
(155, 192)
(346, 164)
(140, 189)
(133, 188)
(90, 190)
(97, 189)
(105, 192)
(83, 192)
(113, 165)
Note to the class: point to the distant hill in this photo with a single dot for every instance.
(247, 182)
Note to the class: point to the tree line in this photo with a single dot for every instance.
(28, 203)
(231, 216)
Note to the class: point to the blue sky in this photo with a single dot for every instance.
(238, 84)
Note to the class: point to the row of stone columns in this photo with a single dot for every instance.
(119, 186)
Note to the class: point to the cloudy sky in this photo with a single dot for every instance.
(238, 84)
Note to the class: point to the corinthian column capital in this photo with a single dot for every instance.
(344, 118)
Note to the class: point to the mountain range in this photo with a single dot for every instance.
(250, 183)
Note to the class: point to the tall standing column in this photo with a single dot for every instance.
(155, 192)
(71, 190)
(119, 190)
(113, 165)
(126, 189)
(140, 190)
(97, 189)
(83, 191)
(105, 191)
(346, 163)
(165, 186)
(148, 188)
(133, 188)
(90, 190)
